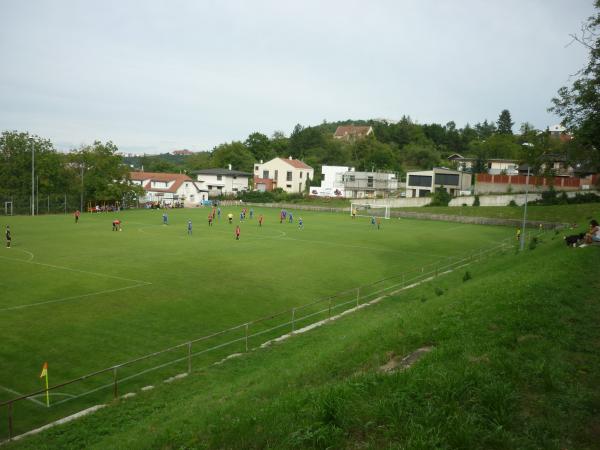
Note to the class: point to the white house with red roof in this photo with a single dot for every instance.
(169, 188)
(291, 175)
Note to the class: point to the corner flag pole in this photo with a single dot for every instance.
(42, 375)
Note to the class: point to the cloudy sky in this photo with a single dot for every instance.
(155, 76)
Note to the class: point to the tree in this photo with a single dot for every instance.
(234, 153)
(505, 123)
(105, 177)
(579, 104)
(260, 146)
(52, 175)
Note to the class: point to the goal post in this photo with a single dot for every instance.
(8, 208)
(368, 210)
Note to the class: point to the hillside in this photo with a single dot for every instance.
(515, 364)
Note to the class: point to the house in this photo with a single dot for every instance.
(461, 162)
(291, 175)
(222, 181)
(168, 188)
(559, 132)
(424, 183)
(352, 132)
(332, 184)
(184, 152)
(557, 164)
(494, 165)
(369, 184)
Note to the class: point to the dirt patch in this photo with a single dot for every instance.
(398, 363)
(528, 337)
(479, 359)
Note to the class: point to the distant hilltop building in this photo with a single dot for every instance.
(560, 132)
(131, 155)
(184, 152)
(352, 132)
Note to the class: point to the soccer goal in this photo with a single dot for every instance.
(8, 209)
(362, 210)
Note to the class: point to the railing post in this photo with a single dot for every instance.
(357, 296)
(293, 319)
(10, 421)
(189, 357)
(246, 337)
(436, 269)
(329, 308)
(402, 281)
(115, 384)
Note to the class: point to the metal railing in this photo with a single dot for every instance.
(216, 347)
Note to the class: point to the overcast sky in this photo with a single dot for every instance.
(154, 76)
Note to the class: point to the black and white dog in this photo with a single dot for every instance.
(573, 239)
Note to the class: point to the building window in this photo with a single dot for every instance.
(276, 175)
(323, 177)
(288, 186)
(446, 179)
(265, 174)
(256, 168)
(370, 182)
(300, 175)
(234, 177)
(219, 177)
(419, 180)
(289, 176)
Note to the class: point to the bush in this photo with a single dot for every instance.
(533, 243)
(467, 276)
(439, 291)
(512, 203)
(476, 202)
(549, 197)
(441, 197)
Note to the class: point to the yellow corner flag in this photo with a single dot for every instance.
(42, 375)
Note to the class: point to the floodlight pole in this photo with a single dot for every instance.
(525, 211)
(32, 179)
(81, 196)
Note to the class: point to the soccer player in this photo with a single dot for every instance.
(219, 213)
(251, 213)
(230, 218)
(210, 219)
(237, 233)
(8, 236)
(373, 221)
(116, 225)
(353, 213)
(281, 216)
(260, 220)
(291, 218)
(242, 216)
(189, 226)
(378, 223)
(165, 219)
(300, 223)
(77, 213)
(518, 234)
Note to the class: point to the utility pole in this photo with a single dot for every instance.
(32, 178)
(81, 197)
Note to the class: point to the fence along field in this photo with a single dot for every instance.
(350, 240)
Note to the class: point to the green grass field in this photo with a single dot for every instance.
(515, 361)
(84, 298)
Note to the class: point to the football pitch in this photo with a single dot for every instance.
(83, 297)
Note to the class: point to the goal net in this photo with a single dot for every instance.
(362, 210)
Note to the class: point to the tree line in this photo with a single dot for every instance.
(97, 173)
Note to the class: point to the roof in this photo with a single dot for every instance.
(352, 130)
(177, 178)
(227, 172)
(296, 163)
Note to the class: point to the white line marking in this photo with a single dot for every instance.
(59, 394)
(19, 394)
(74, 297)
(74, 270)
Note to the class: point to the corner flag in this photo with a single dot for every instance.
(42, 375)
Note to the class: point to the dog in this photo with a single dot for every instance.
(573, 239)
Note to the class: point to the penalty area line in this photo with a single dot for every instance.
(75, 297)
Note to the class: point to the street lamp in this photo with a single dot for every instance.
(522, 242)
(32, 176)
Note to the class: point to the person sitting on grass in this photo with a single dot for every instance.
(592, 236)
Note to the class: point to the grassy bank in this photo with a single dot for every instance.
(515, 365)
(580, 214)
